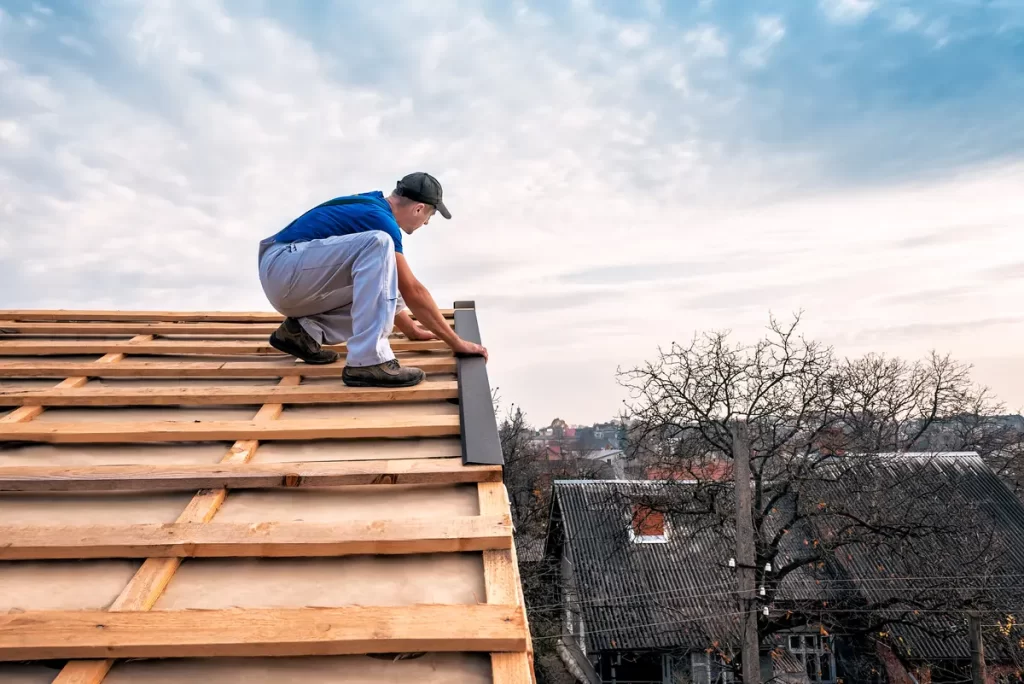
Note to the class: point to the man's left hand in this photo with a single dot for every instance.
(419, 333)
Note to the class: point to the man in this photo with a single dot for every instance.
(339, 274)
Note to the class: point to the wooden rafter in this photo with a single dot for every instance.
(271, 368)
(177, 347)
(501, 582)
(135, 328)
(261, 632)
(214, 396)
(227, 430)
(268, 540)
(137, 478)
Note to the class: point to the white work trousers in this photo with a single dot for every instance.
(340, 289)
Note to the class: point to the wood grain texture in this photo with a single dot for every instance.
(137, 478)
(257, 540)
(235, 395)
(149, 581)
(261, 632)
(27, 413)
(204, 347)
(83, 315)
(378, 427)
(45, 368)
(135, 328)
(502, 586)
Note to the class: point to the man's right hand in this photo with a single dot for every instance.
(469, 349)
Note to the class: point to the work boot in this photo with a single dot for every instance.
(292, 339)
(387, 374)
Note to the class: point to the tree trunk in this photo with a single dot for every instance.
(977, 650)
(747, 590)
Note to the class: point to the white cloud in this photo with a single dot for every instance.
(768, 32)
(77, 44)
(555, 162)
(706, 41)
(42, 9)
(634, 35)
(846, 11)
(903, 19)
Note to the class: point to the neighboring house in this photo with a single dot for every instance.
(615, 458)
(649, 600)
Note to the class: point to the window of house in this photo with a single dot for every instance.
(705, 668)
(815, 653)
(648, 526)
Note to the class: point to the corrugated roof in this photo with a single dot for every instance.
(676, 594)
(642, 596)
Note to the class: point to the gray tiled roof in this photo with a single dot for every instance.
(641, 596)
(678, 594)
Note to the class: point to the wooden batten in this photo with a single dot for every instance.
(142, 478)
(58, 635)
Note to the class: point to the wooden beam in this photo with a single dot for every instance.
(203, 347)
(382, 427)
(136, 478)
(136, 328)
(27, 413)
(257, 540)
(199, 369)
(214, 396)
(260, 632)
(149, 581)
(52, 315)
(502, 587)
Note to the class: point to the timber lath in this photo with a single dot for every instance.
(188, 504)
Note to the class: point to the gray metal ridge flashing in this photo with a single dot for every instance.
(480, 442)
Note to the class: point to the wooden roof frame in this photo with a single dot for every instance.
(130, 627)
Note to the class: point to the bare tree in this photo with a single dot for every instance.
(826, 504)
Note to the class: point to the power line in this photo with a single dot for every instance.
(683, 593)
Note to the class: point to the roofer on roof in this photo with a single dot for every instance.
(338, 273)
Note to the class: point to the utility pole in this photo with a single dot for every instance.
(745, 552)
(977, 649)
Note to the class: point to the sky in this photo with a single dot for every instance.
(621, 175)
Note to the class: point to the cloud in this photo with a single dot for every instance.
(617, 180)
(77, 44)
(768, 32)
(846, 11)
(904, 19)
(1012, 271)
(634, 35)
(706, 41)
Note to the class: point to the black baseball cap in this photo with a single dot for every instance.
(422, 187)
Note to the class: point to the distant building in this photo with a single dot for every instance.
(648, 597)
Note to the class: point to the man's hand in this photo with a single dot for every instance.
(464, 348)
(419, 333)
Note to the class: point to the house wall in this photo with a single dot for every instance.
(570, 652)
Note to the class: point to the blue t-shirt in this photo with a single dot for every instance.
(345, 219)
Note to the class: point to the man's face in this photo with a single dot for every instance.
(414, 216)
